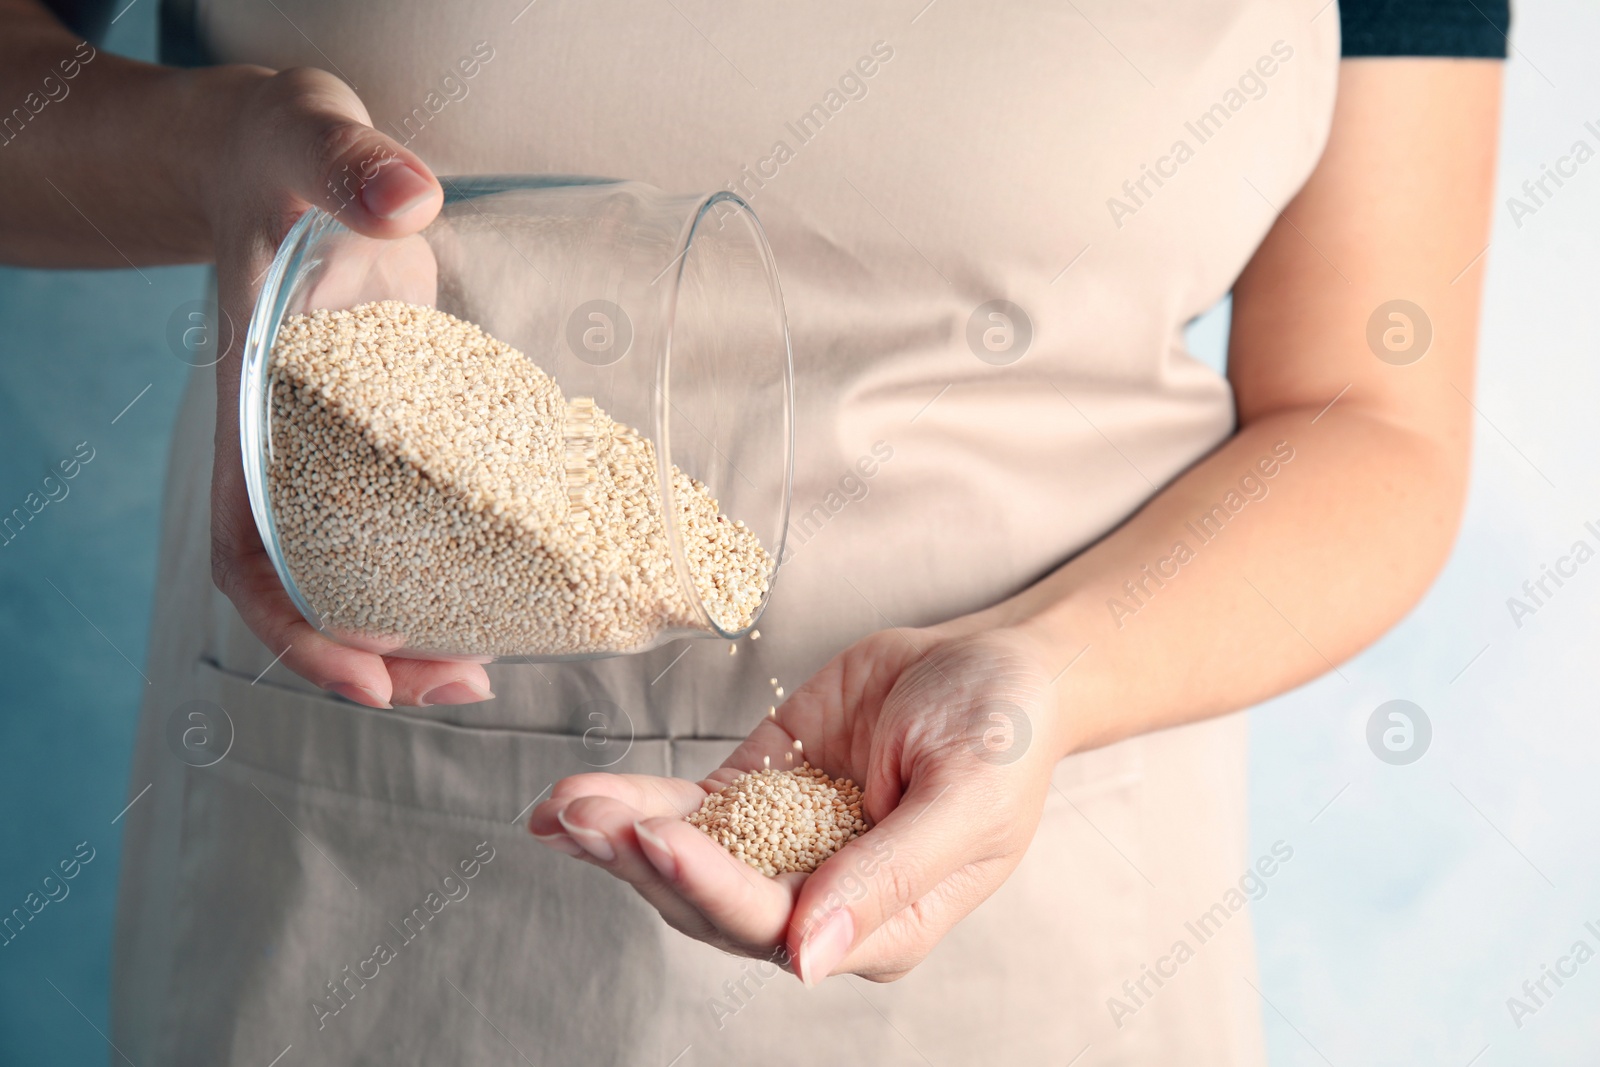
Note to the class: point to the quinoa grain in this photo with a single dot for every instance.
(433, 489)
(782, 822)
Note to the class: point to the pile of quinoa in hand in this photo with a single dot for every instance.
(433, 489)
(781, 822)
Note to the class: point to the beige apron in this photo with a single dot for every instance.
(308, 896)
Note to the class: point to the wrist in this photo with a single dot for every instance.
(1060, 639)
(1054, 626)
(208, 105)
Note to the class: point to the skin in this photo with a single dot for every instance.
(187, 166)
(213, 165)
(1352, 533)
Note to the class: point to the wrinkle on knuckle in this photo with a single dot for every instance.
(336, 149)
(286, 99)
(309, 90)
(224, 569)
(899, 888)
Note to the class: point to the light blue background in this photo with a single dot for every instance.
(1417, 901)
(75, 348)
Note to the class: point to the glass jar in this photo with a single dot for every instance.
(555, 424)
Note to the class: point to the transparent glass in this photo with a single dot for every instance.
(664, 312)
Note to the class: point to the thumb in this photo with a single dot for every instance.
(874, 877)
(327, 153)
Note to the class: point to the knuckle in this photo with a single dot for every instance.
(288, 90)
(301, 85)
(224, 570)
(302, 79)
(582, 804)
(219, 578)
(578, 788)
(229, 533)
(894, 975)
(899, 887)
(335, 145)
(346, 156)
(568, 788)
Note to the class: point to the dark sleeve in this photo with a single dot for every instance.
(179, 42)
(1474, 28)
(88, 19)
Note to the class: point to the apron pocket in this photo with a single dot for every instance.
(356, 886)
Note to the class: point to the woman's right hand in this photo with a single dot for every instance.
(302, 138)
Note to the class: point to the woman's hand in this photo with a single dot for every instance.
(297, 139)
(952, 737)
(152, 164)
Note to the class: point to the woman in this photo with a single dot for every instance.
(1046, 551)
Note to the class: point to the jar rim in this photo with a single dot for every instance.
(692, 227)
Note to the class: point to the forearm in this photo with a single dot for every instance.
(1343, 538)
(1193, 608)
(102, 159)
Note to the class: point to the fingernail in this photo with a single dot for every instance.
(657, 851)
(824, 950)
(455, 693)
(395, 190)
(559, 842)
(591, 841)
(360, 694)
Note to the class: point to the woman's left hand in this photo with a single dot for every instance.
(952, 737)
